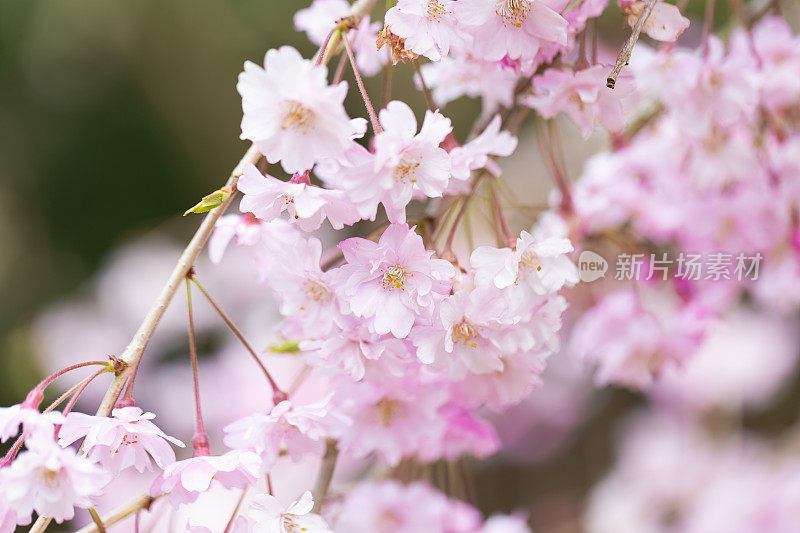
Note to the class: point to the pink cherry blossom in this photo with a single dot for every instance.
(513, 28)
(533, 269)
(51, 481)
(9, 519)
(632, 340)
(393, 417)
(267, 515)
(468, 334)
(183, 481)
(369, 59)
(291, 112)
(391, 507)
(392, 282)
(297, 429)
(429, 27)
(246, 228)
(582, 95)
(305, 292)
(31, 420)
(459, 75)
(475, 154)
(128, 438)
(779, 54)
(665, 22)
(318, 19)
(307, 205)
(406, 162)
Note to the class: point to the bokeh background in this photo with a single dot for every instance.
(117, 116)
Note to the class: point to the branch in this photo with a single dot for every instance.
(133, 352)
(625, 53)
(325, 473)
(119, 514)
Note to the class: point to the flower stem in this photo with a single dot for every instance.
(425, 90)
(325, 473)
(376, 126)
(278, 394)
(48, 380)
(72, 401)
(200, 440)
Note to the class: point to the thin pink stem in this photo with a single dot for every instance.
(323, 50)
(277, 394)
(200, 440)
(509, 241)
(376, 126)
(45, 382)
(337, 77)
(708, 24)
(74, 399)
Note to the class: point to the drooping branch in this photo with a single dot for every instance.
(625, 53)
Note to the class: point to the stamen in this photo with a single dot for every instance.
(394, 277)
(436, 10)
(387, 410)
(405, 169)
(513, 12)
(465, 332)
(296, 116)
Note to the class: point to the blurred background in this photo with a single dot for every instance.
(117, 116)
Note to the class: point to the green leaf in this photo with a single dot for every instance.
(287, 346)
(215, 199)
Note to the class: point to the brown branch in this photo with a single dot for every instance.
(625, 53)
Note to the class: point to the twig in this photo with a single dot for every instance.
(133, 352)
(426, 91)
(97, 520)
(278, 394)
(625, 53)
(120, 514)
(373, 118)
(325, 473)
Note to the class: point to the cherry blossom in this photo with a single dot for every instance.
(665, 22)
(183, 481)
(31, 420)
(318, 19)
(459, 75)
(307, 205)
(469, 332)
(535, 268)
(392, 282)
(405, 163)
(475, 154)
(127, 439)
(429, 27)
(267, 515)
(291, 112)
(582, 95)
(50, 481)
(296, 429)
(390, 506)
(513, 28)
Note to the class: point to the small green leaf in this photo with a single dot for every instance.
(287, 346)
(211, 201)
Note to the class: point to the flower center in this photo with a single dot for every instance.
(529, 260)
(513, 12)
(289, 525)
(317, 292)
(50, 477)
(464, 332)
(436, 10)
(394, 277)
(388, 410)
(296, 116)
(406, 170)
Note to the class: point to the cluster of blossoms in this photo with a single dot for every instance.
(712, 172)
(410, 340)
